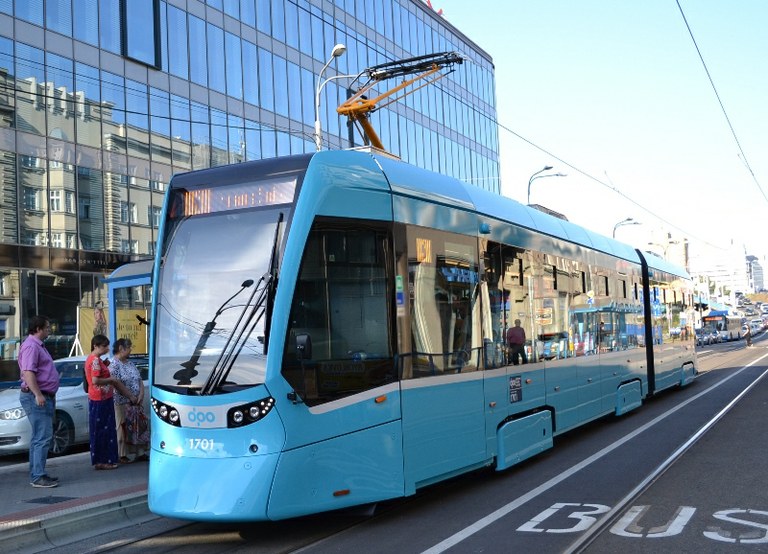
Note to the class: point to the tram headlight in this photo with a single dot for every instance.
(168, 414)
(249, 413)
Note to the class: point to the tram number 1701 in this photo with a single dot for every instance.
(200, 444)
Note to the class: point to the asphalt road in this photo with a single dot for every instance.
(552, 501)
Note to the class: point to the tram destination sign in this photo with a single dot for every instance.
(239, 196)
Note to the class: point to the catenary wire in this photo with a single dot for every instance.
(309, 137)
(743, 156)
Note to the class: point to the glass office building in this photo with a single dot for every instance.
(101, 101)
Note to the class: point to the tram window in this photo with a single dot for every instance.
(445, 307)
(341, 306)
(548, 330)
(503, 297)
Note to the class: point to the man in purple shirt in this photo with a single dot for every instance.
(39, 383)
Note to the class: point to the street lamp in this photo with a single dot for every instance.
(628, 221)
(537, 176)
(664, 247)
(337, 51)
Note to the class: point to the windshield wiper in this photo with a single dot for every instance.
(228, 355)
(226, 360)
(185, 376)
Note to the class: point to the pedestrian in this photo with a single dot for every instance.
(39, 383)
(748, 335)
(101, 409)
(131, 443)
(516, 343)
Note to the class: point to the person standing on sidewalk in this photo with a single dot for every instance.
(39, 383)
(131, 448)
(101, 407)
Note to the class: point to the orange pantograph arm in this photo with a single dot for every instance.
(358, 108)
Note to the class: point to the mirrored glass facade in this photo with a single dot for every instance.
(101, 101)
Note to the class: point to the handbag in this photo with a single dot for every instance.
(136, 426)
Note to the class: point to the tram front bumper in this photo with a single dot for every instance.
(211, 489)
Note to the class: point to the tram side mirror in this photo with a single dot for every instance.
(303, 347)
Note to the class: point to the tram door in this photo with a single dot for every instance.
(440, 348)
(343, 430)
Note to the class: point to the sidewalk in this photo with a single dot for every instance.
(35, 519)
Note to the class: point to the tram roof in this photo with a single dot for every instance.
(440, 188)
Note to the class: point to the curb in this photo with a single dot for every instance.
(43, 532)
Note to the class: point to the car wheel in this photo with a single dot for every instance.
(63, 434)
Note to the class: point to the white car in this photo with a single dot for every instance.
(71, 422)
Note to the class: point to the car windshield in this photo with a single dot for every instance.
(70, 369)
(214, 277)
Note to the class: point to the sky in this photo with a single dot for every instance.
(613, 94)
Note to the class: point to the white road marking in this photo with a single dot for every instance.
(480, 524)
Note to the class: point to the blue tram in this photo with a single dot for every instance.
(329, 330)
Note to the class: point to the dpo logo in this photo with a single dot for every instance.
(197, 418)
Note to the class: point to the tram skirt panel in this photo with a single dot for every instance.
(354, 469)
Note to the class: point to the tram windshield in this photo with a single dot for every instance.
(212, 300)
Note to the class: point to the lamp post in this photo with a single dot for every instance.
(537, 176)
(337, 51)
(628, 221)
(546, 168)
(663, 247)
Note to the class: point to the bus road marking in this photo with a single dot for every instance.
(494, 516)
(742, 526)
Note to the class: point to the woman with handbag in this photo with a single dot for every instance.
(102, 386)
(131, 422)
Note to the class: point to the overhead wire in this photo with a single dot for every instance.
(742, 155)
(306, 136)
(611, 187)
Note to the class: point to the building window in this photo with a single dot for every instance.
(141, 38)
(129, 246)
(109, 25)
(157, 185)
(69, 198)
(55, 200)
(154, 216)
(33, 238)
(31, 162)
(32, 199)
(85, 208)
(128, 213)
